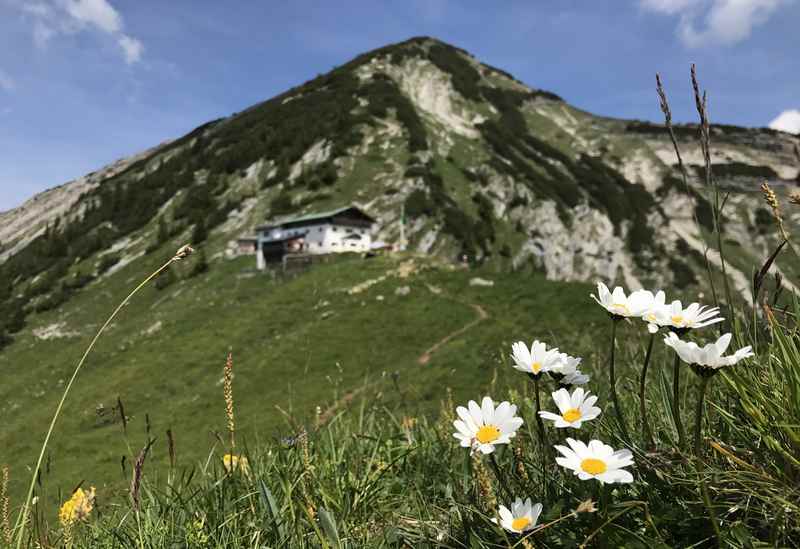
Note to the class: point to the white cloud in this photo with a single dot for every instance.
(42, 33)
(669, 7)
(704, 22)
(36, 8)
(51, 18)
(95, 12)
(132, 48)
(6, 82)
(787, 121)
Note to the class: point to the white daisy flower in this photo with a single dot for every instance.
(521, 518)
(693, 316)
(566, 372)
(654, 309)
(575, 378)
(566, 364)
(482, 427)
(575, 408)
(620, 305)
(536, 360)
(596, 460)
(709, 356)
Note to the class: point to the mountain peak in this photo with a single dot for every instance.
(482, 165)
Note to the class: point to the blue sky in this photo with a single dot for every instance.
(84, 82)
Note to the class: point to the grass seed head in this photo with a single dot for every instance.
(772, 201)
(519, 464)
(183, 252)
(136, 481)
(486, 495)
(586, 506)
(228, 391)
(5, 506)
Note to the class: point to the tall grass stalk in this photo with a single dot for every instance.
(665, 109)
(22, 519)
(701, 104)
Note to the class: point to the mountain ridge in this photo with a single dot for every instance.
(483, 164)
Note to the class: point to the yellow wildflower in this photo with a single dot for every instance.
(232, 462)
(78, 507)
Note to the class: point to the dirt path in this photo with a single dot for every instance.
(331, 410)
(482, 315)
(423, 359)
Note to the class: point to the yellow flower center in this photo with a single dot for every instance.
(677, 320)
(573, 414)
(487, 434)
(520, 523)
(620, 308)
(651, 317)
(536, 367)
(593, 466)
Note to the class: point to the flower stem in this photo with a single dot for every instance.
(712, 516)
(22, 519)
(647, 432)
(676, 409)
(617, 409)
(501, 479)
(539, 422)
(698, 414)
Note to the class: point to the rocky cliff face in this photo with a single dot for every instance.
(482, 164)
(19, 226)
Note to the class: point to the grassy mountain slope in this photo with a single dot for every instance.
(543, 196)
(298, 344)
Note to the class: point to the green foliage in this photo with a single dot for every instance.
(484, 226)
(764, 220)
(383, 94)
(199, 233)
(195, 204)
(465, 76)
(166, 279)
(418, 204)
(682, 274)
(199, 264)
(670, 183)
(106, 262)
(704, 212)
(737, 169)
(55, 298)
(529, 158)
(682, 131)
(473, 235)
(112, 210)
(162, 235)
(281, 205)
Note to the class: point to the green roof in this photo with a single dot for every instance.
(311, 216)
